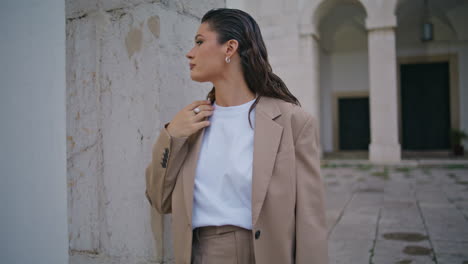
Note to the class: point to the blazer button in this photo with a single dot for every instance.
(257, 234)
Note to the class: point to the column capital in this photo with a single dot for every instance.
(378, 23)
(308, 30)
(383, 28)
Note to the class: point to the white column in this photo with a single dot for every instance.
(309, 64)
(33, 188)
(309, 93)
(384, 147)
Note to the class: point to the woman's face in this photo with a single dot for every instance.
(206, 58)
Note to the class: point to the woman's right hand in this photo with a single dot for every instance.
(186, 122)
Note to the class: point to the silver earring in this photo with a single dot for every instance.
(228, 60)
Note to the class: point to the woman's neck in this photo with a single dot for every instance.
(232, 91)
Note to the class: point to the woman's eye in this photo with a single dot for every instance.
(199, 42)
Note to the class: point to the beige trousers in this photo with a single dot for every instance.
(226, 244)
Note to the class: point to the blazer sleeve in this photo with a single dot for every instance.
(168, 154)
(311, 226)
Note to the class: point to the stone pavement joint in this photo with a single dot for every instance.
(405, 213)
(375, 238)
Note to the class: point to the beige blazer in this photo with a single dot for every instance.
(288, 213)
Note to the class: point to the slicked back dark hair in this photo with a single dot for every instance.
(236, 24)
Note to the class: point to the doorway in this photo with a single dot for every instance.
(353, 120)
(425, 106)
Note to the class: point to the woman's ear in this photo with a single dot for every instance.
(231, 47)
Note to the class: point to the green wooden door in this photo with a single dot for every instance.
(425, 106)
(354, 129)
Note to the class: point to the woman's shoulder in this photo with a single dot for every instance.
(296, 119)
(294, 113)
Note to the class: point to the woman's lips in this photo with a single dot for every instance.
(192, 65)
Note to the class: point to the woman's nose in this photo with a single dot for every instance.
(189, 55)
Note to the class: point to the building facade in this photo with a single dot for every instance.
(363, 68)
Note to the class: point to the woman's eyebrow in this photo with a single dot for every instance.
(198, 35)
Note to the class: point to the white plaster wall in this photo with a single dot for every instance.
(238, 4)
(127, 75)
(349, 72)
(288, 57)
(33, 196)
(339, 72)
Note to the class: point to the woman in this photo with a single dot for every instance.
(239, 172)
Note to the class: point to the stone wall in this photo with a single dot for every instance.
(127, 75)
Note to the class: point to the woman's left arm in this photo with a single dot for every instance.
(311, 224)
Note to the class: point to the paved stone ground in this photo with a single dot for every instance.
(416, 212)
(411, 213)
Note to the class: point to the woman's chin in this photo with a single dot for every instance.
(196, 77)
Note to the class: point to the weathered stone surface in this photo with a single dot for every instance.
(445, 222)
(393, 251)
(84, 161)
(196, 9)
(415, 215)
(127, 75)
(350, 251)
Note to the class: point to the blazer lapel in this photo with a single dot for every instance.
(267, 136)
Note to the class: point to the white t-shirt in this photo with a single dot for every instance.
(223, 177)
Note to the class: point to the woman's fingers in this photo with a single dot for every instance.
(187, 122)
(201, 125)
(197, 103)
(200, 116)
(204, 108)
(205, 111)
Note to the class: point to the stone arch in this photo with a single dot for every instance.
(314, 11)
